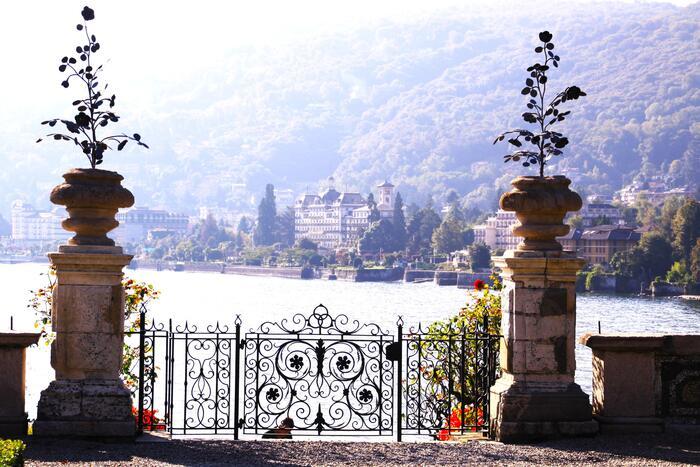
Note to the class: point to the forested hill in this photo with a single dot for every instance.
(418, 103)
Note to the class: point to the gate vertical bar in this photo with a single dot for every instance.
(236, 386)
(142, 357)
(216, 382)
(486, 385)
(450, 380)
(464, 373)
(399, 384)
(171, 384)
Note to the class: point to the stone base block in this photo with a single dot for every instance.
(624, 425)
(85, 408)
(13, 427)
(522, 413)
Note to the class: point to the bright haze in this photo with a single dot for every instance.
(232, 94)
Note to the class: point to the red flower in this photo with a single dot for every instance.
(479, 284)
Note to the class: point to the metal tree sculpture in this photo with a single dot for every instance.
(90, 115)
(548, 143)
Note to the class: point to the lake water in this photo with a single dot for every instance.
(208, 297)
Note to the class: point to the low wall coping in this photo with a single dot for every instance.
(18, 339)
(677, 344)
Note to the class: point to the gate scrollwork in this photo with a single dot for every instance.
(327, 373)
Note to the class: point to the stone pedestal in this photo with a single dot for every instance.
(87, 398)
(536, 396)
(13, 418)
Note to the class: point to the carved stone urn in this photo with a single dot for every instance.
(540, 204)
(92, 198)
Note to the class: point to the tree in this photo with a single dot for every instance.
(285, 227)
(652, 257)
(448, 237)
(244, 225)
(601, 220)
(576, 222)
(264, 233)
(374, 214)
(479, 256)
(377, 237)
(306, 244)
(686, 228)
(668, 213)
(420, 228)
(452, 197)
(695, 261)
(399, 224)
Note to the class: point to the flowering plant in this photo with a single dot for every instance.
(451, 387)
(150, 421)
(136, 294)
(469, 418)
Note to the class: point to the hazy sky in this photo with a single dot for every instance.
(151, 42)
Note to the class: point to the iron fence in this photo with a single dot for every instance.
(317, 374)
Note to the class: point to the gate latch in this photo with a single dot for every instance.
(393, 352)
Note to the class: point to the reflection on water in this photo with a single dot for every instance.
(208, 297)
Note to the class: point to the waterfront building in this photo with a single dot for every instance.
(598, 244)
(336, 219)
(497, 231)
(595, 212)
(31, 226)
(135, 224)
(655, 192)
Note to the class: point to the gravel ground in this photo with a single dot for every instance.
(617, 450)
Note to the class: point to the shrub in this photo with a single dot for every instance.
(11, 453)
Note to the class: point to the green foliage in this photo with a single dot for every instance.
(576, 222)
(420, 228)
(479, 256)
(374, 214)
(592, 275)
(379, 236)
(136, 296)
(695, 261)
(449, 236)
(306, 244)
(284, 226)
(264, 233)
(399, 224)
(686, 228)
(679, 274)
(11, 453)
(651, 257)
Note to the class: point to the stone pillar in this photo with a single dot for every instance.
(87, 398)
(536, 396)
(13, 418)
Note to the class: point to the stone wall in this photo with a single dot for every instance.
(370, 275)
(648, 383)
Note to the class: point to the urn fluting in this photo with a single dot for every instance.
(540, 204)
(92, 198)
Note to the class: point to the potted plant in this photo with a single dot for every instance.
(541, 202)
(92, 196)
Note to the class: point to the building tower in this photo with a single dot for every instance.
(386, 196)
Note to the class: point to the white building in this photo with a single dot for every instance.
(135, 223)
(334, 219)
(594, 213)
(496, 232)
(31, 226)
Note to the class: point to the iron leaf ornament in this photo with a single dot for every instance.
(93, 112)
(547, 142)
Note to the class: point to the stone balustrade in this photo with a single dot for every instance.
(645, 383)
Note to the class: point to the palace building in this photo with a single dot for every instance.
(334, 219)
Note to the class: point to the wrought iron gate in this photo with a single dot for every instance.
(325, 374)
